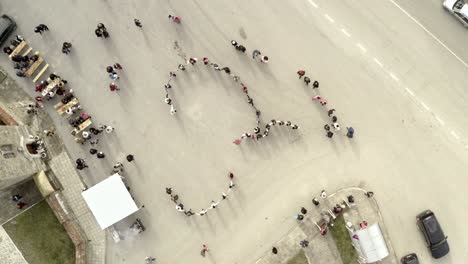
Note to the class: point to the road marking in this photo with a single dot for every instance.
(378, 62)
(394, 76)
(313, 3)
(425, 106)
(454, 134)
(329, 18)
(361, 47)
(440, 120)
(409, 91)
(345, 32)
(430, 33)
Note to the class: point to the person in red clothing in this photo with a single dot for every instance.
(300, 73)
(20, 205)
(113, 87)
(175, 19)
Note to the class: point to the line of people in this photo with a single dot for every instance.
(181, 207)
(333, 118)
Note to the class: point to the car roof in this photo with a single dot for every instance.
(433, 229)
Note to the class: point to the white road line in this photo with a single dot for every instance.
(425, 106)
(454, 134)
(345, 32)
(329, 18)
(361, 47)
(394, 76)
(409, 91)
(440, 120)
(313, 3)
(430, 33)
(378, 62)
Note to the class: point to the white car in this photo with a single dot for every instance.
(458, 8)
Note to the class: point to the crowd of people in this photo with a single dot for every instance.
(214, 203)
(91, 134)
(256, 55)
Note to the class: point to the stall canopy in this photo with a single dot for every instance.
(109, 201)
(369, 243)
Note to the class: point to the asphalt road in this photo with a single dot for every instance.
(395, 84)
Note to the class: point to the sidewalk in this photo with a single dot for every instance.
(322, 249)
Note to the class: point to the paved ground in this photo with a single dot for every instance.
(399, 88)
(31, 196)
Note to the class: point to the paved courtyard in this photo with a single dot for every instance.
(402, 91)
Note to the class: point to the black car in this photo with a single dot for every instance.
(7, 26)
(410, 259)
(433, 234)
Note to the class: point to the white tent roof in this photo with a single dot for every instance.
(370, 243)
(109, 201)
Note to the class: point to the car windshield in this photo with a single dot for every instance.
(459, 4)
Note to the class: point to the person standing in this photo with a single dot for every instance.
(117, 66)
(274, 250)
(137, 23)
(315, 201)
(300, 73)
(255, 54)
(315, 85)
(130, 158)
(44, 27)
(323, 194)
(175, 19)
(300, 217)
(113, 87)
(38, 30)
(350, 133)
(149, 260)
(66, 47)
(204, 250)
(109, 129)
(16, 198)
(303, 210)
(307, 80)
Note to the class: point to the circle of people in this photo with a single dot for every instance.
(256, 55)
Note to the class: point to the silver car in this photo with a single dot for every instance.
(459, 9)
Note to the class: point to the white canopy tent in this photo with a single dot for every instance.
(109, 201)
(369, 243)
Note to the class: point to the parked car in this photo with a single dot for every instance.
(433, 234)
(7, 26)
(459, 9)
(410, 259)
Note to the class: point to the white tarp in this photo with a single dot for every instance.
(370, 243)
(109, 201)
